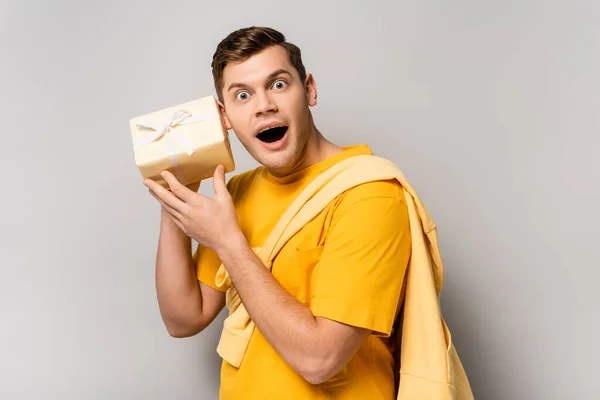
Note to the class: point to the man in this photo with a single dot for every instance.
(324, 312)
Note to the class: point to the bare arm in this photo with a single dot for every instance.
(314, 341)
(187, 306)
(317, 348)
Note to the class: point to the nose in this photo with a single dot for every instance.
(264, 104)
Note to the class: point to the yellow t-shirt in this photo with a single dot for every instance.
(347, 265)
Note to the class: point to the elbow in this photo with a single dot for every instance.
(317, 370)
(184, 330)
(317, 377)
(182, 333)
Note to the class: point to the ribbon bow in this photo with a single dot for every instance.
(179, 117)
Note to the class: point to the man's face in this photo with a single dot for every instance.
(267, 106)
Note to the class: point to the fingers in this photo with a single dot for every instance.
(219, 181)
(173, 212)
(175, 215)
(165, 196)
(180, 190)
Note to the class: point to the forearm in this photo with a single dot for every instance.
(285, 322)
(179, 296)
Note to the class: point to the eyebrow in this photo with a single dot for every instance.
(271, 76)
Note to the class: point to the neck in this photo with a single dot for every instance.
(316, 149)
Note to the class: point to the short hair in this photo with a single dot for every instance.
(246, 42)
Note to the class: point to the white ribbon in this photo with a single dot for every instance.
(180, 117)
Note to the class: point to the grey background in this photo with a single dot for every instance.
(490, 108)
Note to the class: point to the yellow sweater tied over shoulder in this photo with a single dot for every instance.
(428, 364)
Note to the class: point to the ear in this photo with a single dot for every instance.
(311, 90)
(224, 114)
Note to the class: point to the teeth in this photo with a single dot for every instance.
(270, 127)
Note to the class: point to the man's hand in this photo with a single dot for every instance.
(211, 221)
(193, 186)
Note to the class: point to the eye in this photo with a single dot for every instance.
(279, 84)
(242, 96)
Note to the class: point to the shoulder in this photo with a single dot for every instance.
(377, 192)
(369, 224)
(373, 212)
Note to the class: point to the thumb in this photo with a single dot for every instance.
(219, 181)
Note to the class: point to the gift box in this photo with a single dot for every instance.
(189, 140)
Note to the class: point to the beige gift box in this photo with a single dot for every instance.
(188, 140)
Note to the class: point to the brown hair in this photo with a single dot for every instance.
(244, 43)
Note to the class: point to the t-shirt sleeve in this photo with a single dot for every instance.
(359, 277)
(207, 264)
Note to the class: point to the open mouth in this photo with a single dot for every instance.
(272, 135)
